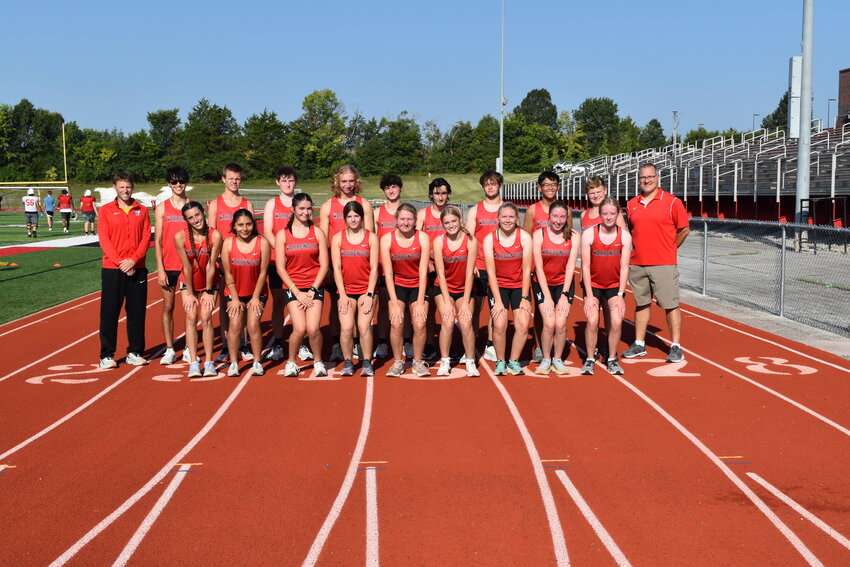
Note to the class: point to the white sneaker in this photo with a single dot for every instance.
(168, 357)
(246, 353)
(471, 370)
(135, 359)
(209, 369)
(233, 370)
(336, 353)
(381, 351)
(194, 370)
(304, 353)
(291, 369)
(319, 368)
(445, 368)
(257, 368)
(490, 353)
(276, 353)
(408, 350)
(108, 362)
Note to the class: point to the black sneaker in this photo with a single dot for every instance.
(635, 351)
(347, 368)
(429, 352)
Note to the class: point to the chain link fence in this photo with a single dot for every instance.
(797, 271)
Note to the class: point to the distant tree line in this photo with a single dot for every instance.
(324, 136)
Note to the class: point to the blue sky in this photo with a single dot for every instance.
(106, 64)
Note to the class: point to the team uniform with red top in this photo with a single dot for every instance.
(245, 269)
(355, 263)
(224, 214)
(587, 222)
(87, 204)
(336, 218)
(406, 268)
(123, 234)
(199, 259)
(454, 264)
(605, 261)
(508, 261)
(432, 226)
(172, 223)
(302, 262)
(555, 256)
(280, 218)
(385, 221)
(65, 204)
(541, 217)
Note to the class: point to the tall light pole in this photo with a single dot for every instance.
(500, 164)
(829, 102)
(754, 121)
(675, 126)
(804, 157)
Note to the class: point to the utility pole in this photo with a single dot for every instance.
(675, 126)
(500, 163)
(804, 146)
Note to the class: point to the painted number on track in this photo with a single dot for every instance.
(61, 372)
(663, 368)
(761, 365)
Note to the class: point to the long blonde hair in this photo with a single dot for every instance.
(452, 211)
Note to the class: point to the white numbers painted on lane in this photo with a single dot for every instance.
(757, 364)
(58, 374)
(663, 369)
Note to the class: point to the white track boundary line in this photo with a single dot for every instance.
(558, 542)
(802, 511)
(152, 516)
(372, 556)
(594, 522)
(156, 479)
(348, 481)
(66, 347)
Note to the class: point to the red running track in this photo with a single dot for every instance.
(737, 456)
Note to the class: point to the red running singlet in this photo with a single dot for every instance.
(336, 219)
(224, 214)
(355, 262)
(199, 261)
(541, 217)
(508, 261)
(485, 223)
(587, 222)
(432, 226)
(87, 204)
(245, 267)
(605, 261)
(280, 218)
(386, 221)
(406, 261)
(302, 258)
(555, 258)
(454, 263)
(172, 223)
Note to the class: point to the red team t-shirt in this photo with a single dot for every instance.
(454, 263)
(653, 226)
(302, 258)
(172, 223)
(336, 218)
(355, 263)
(87, 204)
(555, 258)
(245, 267)
(485, 223)
(508, 259)
(406, 261)
(432, 226)
(280, 218)
(199, 260)
(605, 261)
(541, 217)
(385, 222)
(224, 214)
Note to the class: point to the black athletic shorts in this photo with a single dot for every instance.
(480, 285)
(173, 276)
(607, 293)
(554, 290)
(246, 299)
(510, 297)
(318, 296)
(409, 295)
(274, 278)
(453, 294)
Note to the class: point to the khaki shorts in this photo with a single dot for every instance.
(660, 281)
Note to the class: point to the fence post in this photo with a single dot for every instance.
(704, 254)
(782, 275)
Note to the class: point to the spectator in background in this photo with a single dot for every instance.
(124, 231)
(49, 207)
(66, 209)
(31, 209)
(659, 225)
(89, 209)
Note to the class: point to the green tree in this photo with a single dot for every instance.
(652, 135)
(571, 139)
(529, 146)
(33, 143)
(484, 147)
(210, 139)
(627, 137)
(263, 139)
(164, 125)
(598, 119)
(453, 152)
(390, 146)
(320, 134)
(697, 136)
(779, 117)
(537, 108)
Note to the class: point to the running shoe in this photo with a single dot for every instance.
(233, 369)
(257, 368)
(336, 353)
(194, 370)
(445, 368)
(304, 353)
(358, 352)
(135, 359)
(501, 368)
(676, 354)
(538, 355)
(382, 351)
(429, 352)
(421, 368)
(396, 369)
(222, 356)
(168, 357)
(246, 353)
(319, 369)
(490, 353)
(471, 370)
(544, 367)
(108, 362)
(635, 351)
(35, 234)
(558, 366)
(209, 369)
(614, 366)
(347, 368)
(407, 349)
(276, 353)
(515, 368)
(291, 369)
(367, 369)
(587, 367)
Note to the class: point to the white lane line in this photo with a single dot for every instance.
(371, 518)
(152, 516)
(348, 481)
(558, 542)
(594, 522)
(156, 479)
(66, 347)
(792, 538)
(802, 511)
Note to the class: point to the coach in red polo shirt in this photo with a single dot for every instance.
(659, 225)
(124, 230)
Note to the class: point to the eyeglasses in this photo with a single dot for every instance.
(549, 184)
(176, 182)
(647, 177)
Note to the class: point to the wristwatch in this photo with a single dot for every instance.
(526, 297)
(369, 294)
(621, 293)
(210, 291)
(313, 289)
